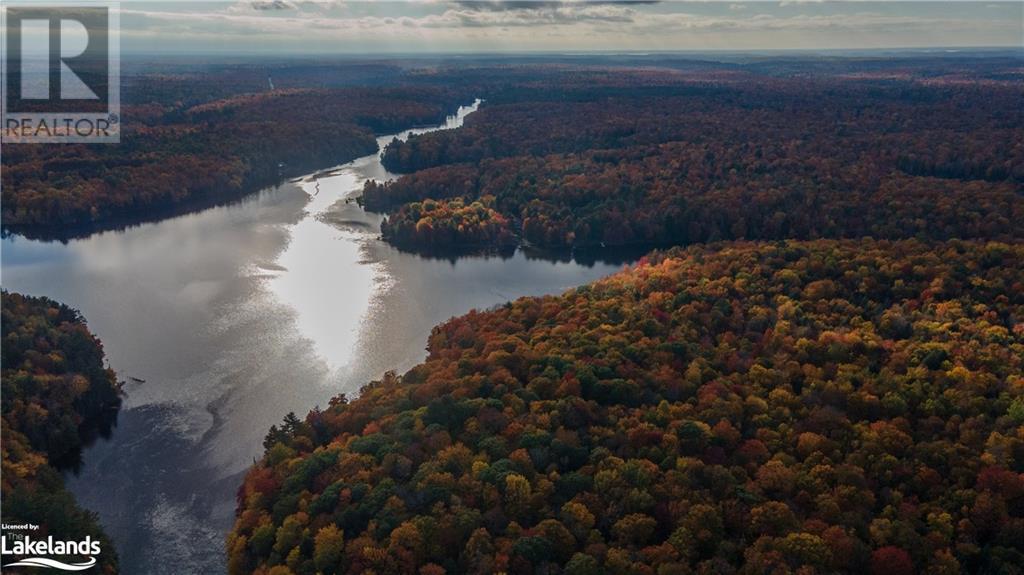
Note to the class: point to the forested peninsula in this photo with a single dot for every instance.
(822, 406)
(58, 396)
(660, 158)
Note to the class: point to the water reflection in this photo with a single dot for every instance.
(235, 316)
(324, 275)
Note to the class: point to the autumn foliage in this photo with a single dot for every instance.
(439, 224)
(57, 395)
(701, 158)
(174, 157)
(851, 406)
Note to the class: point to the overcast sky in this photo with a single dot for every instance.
(335, 26)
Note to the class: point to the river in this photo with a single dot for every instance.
(235, 316)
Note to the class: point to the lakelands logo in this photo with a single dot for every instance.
(60, 72)
(33, 551)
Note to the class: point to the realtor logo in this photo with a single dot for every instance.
(61, 73)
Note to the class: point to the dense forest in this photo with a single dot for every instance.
(57, 396)
(175, 156)
(826, 406)
(662, 158)
(441, 224)
(822, 370)
(568, 147)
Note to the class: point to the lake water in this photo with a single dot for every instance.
(235, 316)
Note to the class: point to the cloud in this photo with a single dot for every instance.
(502, 5)
(272, 5)
(474, 25)
(551, 14)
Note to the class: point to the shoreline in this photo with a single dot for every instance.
(130, 218)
